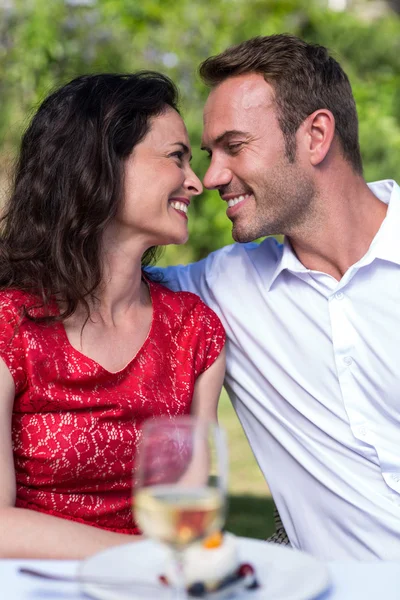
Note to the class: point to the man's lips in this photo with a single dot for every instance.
(235, 201)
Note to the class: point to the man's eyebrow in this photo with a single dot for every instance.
(184, 147)
(226, 134)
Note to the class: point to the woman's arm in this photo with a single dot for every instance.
(207, 389)
(26, 533)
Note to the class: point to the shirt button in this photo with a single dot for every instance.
(347, 360)
(362, 431)
(339, 296)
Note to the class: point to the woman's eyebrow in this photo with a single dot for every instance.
(184, 147)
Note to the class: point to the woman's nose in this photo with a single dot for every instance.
(193, 183)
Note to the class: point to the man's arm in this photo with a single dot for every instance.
(189, 278)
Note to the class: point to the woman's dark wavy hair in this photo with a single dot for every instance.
(69, 184)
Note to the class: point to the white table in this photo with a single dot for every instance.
(350, 581)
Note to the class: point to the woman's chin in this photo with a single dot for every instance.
(177, 239)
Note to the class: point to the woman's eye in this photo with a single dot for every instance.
(178, 155)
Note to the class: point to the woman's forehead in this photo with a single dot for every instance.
(167, 126)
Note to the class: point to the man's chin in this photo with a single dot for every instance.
(242, 237)
(243, 234)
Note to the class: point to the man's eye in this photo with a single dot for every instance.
(234, 147)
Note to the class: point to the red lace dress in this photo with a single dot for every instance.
(76, 425)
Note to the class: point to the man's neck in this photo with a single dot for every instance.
(346, 222)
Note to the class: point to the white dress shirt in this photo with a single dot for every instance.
(313, 371)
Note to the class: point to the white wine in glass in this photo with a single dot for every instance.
(180, 481)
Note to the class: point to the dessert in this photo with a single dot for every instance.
(212, 568)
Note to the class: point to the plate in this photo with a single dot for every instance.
(283, 573)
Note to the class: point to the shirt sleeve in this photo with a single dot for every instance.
(212, 337)
(190, 278)
(12, 349)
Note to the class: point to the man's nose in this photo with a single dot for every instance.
(217, 176)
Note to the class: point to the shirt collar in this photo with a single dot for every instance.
(287, 262)
(385, 244)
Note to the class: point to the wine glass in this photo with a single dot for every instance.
(180, 481)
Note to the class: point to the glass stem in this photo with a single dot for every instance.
(180, 588)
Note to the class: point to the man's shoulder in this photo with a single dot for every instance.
(222, 267)
(263, 256)
(268, 249)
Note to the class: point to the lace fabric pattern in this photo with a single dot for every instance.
(75, 425)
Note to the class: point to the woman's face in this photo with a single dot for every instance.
(159, 184)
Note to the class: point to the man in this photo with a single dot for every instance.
(313, 325)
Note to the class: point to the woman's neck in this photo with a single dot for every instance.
(122, 285)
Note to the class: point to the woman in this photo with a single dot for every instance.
(89, 346)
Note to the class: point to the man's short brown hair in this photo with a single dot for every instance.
(304, 78)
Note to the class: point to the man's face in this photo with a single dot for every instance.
(265, 192)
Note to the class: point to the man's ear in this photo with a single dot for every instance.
(318, 131)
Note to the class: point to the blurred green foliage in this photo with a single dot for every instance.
(44, 44)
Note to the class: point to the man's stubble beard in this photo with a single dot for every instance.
(282, 205)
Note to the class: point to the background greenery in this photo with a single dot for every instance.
(45, 43)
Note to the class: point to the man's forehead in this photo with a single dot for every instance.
(249, 89)
(234, 102)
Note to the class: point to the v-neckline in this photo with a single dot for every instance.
(137, 353)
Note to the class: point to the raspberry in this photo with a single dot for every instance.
(163, 579)
(245, 569)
